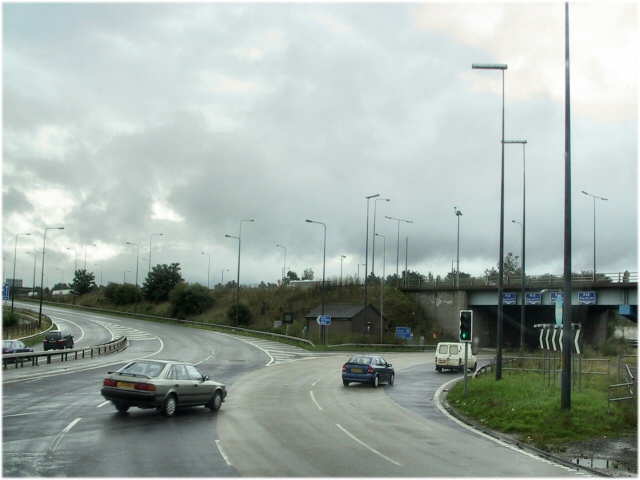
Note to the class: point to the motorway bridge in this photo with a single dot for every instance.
(594, 303)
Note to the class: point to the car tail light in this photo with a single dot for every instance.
(147, 387)
(344, 367)
(109, 382)
(370, 369)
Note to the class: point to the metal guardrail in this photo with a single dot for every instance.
(31, 358)
(629, 394)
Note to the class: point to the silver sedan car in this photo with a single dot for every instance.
(162, 384)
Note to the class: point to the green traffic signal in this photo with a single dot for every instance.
(466, 325)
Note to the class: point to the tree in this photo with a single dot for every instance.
(307, 274)
(117, 294)
(83, 282)
(510, 267)
(244, 314)
(160, 281)
(190, 299)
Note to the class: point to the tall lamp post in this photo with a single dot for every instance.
(341, 258)
(75, 270)
(458, 214)
(208, 268)
(524, 223)
(99, 265)
(85, 254)
(239, 237)
(284, 268)
(366, 259)
(398, 249)
(594, 230)
(324, 261)
(150, 238)
(373, 250)
(44, 242)
(523, 292)
(35, 255)
(222, 279)
(61, 276)
(384, 262)
(137, 256)
(13, 280)
(502, 67)
(406, 261)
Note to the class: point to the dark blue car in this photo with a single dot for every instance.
(371, 369)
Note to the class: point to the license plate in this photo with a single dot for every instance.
(125, 385)
(356, 370)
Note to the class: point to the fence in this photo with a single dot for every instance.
(629, 393)
(31, 358)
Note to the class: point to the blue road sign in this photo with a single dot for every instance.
(555, 296)
(587, 298)
(403, 332)
(324, 320)
(5, 291)
(533, 298)
(509, 298)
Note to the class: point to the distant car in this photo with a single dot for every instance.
(371, 369)
(57, 339)
(14, 346)
(162, 384)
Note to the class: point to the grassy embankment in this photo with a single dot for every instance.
(526, 407)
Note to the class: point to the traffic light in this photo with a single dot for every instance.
(466, 325)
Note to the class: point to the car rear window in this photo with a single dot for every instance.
(444, 349)
(52, 336)
(360, 360)
(150, 369)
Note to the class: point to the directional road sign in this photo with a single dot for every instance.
(5, 291)
(403, 332)
(509, 298)
(324, 320)
(534, 298)
(587, 298)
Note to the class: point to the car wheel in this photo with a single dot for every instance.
(345, 383)
(392, 378)
(122, 407)
(169, 406)
(216, 401)
(438, 369)
(376, 381)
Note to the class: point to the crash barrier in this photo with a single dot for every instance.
(32, 358)
(629, 391)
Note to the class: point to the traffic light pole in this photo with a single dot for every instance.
(466, 357)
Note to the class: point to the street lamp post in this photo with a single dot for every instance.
(150, 238)
(406, 262)
(524, 223)
(99, 265)
(523, 293)
(35, 255)
(398, 249)
(222, 279)
(44, 242)
(137, 256)
(239, 237)
(13, 280)
(373, 249)
(284, 268)
(366, 259)
(75, 272)
(85, 254)
(61, 276)
(208, 268)
(594, 230)
(384, 262)
(458, 214)
(502, 67)
(341, 258)
(324, 261)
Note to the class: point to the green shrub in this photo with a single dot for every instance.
(244, 315)
(188, 300)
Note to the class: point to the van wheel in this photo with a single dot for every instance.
(121, 407)
(438, 369)
(474, 367)
(376, 381)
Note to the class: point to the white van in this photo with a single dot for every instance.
(451, 355)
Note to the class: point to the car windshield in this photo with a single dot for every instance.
(359, 360)
(150, 369)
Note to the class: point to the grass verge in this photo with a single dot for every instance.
(524, 406)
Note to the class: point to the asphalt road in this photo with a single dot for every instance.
(287, 414)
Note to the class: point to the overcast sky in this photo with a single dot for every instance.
(122, 121)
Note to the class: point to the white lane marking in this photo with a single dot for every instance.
(224, 455)
(316, 381)
(254, 345)
(104, 403)
(314, 401)
(73, 323)
(28, 413)
(58, 439)
(367, 446)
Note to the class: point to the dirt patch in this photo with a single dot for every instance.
(612, 456)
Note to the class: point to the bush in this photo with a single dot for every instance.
(190, 299)
(244, 315)
(120, 294)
